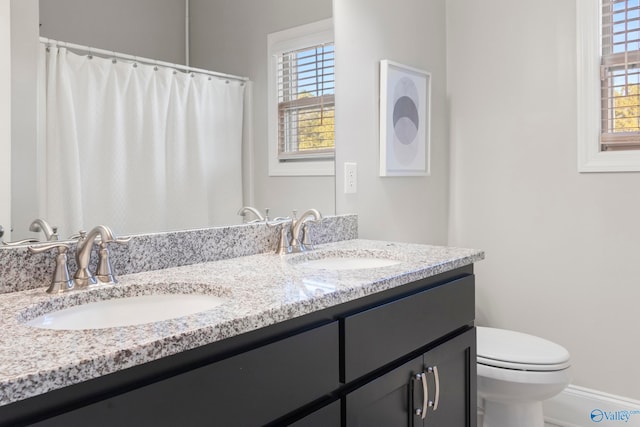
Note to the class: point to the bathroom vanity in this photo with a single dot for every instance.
(296, 344)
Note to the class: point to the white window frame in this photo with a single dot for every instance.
(286, 41)
(590, 157)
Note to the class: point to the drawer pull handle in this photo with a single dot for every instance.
(434, 371)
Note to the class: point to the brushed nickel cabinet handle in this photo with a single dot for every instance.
(422, 412)
(434, 371)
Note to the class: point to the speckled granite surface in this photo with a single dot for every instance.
(261, 290)
(20, 270)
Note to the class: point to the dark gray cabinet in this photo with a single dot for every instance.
(350, 365)
(250, 389)
(327, 416)
(433, 389)
(450, 372)
(385, 401)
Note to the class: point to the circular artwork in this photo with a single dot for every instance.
(406, 120)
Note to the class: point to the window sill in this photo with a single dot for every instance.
(610, 161)
(301, 167)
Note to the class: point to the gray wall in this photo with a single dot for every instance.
(411, 32)
(5, 115)
(231, 36)
(562, 247)
(148, 28)
(24, 126)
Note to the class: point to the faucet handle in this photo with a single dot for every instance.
(284, 247)
(54, 236)
(104, 271)
(121, 240)
(61, 282)
(305, 242)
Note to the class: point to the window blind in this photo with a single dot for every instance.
(620, 75)
(306, 106)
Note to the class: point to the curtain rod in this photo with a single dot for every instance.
(112, 54)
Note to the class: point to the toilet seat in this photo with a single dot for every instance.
(515, 350)
(523, 366)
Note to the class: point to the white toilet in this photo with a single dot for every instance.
(516, 372)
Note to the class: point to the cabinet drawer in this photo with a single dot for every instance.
(249, 389)
(385, 333)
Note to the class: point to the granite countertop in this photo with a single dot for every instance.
(260, 290)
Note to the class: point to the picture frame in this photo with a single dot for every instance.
(405, 120)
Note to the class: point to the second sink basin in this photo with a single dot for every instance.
(126, 311)
(349, 263)
(345, 260)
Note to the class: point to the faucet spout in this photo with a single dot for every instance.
(246, 209)
(83, 276)
(297, 226)
(50, 233)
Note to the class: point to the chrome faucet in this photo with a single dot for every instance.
(104, 273)
(83, 277)
(246, 209)
(50, 233)
(298, 226)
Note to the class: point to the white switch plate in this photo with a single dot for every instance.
(350, 178)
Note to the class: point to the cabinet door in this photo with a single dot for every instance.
(451, 383)
(385, 400)
(329, 416)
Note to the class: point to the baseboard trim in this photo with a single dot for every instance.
(582, 407)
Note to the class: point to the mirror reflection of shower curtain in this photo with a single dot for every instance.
(137, 147)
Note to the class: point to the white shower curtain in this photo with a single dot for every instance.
(137, 147)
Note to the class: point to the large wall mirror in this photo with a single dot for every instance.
(219, 35)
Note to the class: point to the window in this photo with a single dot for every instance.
(301, 100)
(620, 72)
(306, 103)
(608, 35)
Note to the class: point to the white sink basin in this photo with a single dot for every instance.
(348, 263)
(135, 310)
(345, 260)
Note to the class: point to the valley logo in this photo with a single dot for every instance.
(598, 415)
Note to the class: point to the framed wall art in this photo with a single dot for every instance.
(405, 111)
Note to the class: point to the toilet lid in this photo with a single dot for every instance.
(516, 350)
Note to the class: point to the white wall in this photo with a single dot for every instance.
(411, 32)
(231, 36)
(562, 248)
(5, 116)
